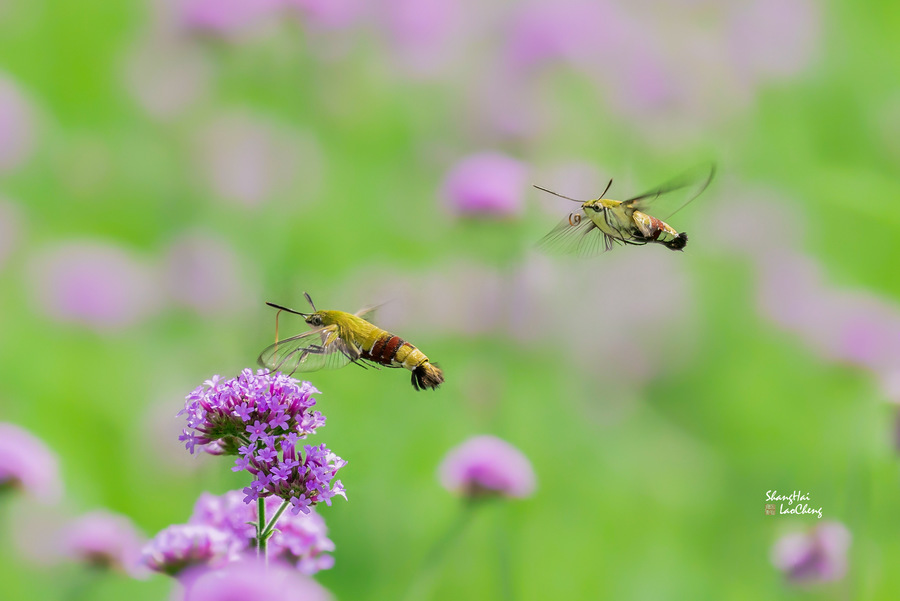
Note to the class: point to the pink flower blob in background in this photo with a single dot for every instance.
(203, 273)
(252, 579)
(485, 466)
(16, 126)
(247, 160)
(819, 555)
(28, 464)
(105, 540)
(93, 283)
(486, 184)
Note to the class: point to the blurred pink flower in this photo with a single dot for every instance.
(424, 33)
(853, 327)
(16, 126)
(789, 285)
(250, 579)
(574, 31)
(488, 183)
(105, 540)
(487, 465)
(327, 14)
(819, 555)
(226, 17)
(93, 283)
(774, 38)
(166, 74)
(867, 331)
(181, 547)
(27, 463)
(248, 160)
(204, 274)
(10, 229)
(645, 83)
(508, 106)
(671, 70)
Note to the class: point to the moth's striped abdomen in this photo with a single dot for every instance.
(393, 351)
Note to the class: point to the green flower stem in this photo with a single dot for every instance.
(428, 572)
(260, 525)
(270, 527)
(84, 583)
(504, 558)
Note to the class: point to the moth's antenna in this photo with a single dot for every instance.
(309, 300)
(280, 308)
(560, 195)
(607, 188)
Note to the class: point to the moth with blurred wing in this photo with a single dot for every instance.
(341, 338)
(600, 224)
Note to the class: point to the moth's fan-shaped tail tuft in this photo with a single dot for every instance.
(679, 242)
(427, 375)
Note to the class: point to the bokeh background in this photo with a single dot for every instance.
(168, 166)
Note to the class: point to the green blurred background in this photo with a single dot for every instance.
(658, 395)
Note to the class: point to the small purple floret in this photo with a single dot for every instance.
(267, 454)
(256, 430)
(300, 504)
(279, 420)
(243, 412)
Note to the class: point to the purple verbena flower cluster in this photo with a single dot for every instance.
(184, 546)
(299, 540)
(261, 417)
(221, 531)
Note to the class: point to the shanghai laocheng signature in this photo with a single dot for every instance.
(796, 496)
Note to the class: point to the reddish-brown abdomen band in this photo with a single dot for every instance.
(390, 349)
(375, 351)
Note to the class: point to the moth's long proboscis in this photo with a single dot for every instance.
(281, 308)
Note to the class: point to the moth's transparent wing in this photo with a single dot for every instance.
(369, 313)
(664, 201)
(577, 235)
(307, 352)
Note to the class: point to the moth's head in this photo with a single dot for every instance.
(315, 319)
